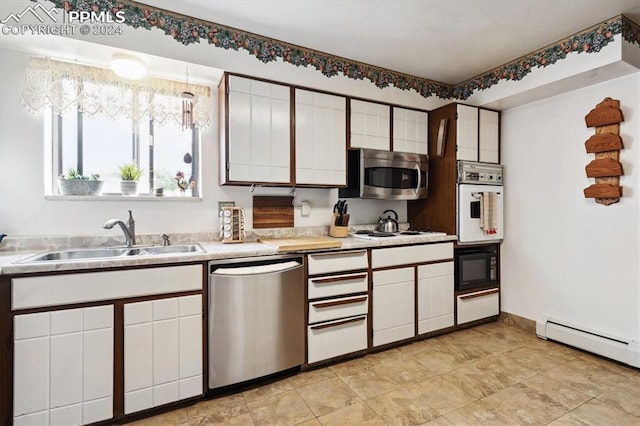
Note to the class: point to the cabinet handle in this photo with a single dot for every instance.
(339, 302)
(474, 295)
(335, 324)
(338, 279)
(340, 254)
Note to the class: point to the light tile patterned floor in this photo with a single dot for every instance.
(493, 374)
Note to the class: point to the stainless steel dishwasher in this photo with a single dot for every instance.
(256, 317)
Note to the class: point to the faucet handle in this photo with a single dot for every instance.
(165, 240)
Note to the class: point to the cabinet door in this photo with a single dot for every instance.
(321, 138)
(435, 297)
(393, 305)
(63, 366)
(489, 136)
(410, 131)
(467, 133)
(370, 125)
(162, 351)
(259, 131)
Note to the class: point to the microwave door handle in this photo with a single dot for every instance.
(419, 178)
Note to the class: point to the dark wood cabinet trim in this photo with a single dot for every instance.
(336, 324)
(331, 280)
(478, 294)
(6, 353)
(321, 305)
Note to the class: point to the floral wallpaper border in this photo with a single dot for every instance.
(188, 30)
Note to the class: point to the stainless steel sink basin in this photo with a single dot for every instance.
(77, 254)
(109, 253)
(155, 250)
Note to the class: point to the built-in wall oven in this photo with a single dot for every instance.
(386, 175)
(476, 267)
(480, 198)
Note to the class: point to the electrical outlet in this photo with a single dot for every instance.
(222, 204)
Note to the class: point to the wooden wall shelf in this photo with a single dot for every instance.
(603, 167)
(603, 190)
(603, 142)
(606, 145)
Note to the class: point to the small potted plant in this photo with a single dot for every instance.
(74, 183)
(129, 174)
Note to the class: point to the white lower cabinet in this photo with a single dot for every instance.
(338, 304)
(435, 297)
(162, 352)
(393, 305)
(478, 305)
(63, 366)
(335, 338)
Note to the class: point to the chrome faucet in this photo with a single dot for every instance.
(129, 230)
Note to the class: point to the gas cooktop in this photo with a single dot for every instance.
(375, 235)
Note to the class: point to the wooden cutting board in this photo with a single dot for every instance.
(301, 243)
(272, 212)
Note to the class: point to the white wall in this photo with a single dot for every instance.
(25, 211)
(565, 256)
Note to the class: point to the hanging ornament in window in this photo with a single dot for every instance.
(187, 107)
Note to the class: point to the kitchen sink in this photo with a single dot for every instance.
(109, 253)
(155, 250)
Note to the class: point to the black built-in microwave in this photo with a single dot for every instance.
(476, 267)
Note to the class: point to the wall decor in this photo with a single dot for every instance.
(606, 145)
(188, 30)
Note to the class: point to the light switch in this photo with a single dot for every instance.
(305, 208)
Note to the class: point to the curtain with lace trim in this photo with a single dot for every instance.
(64, 85)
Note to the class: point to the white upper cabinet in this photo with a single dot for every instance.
(467, 133)
(320, 138)
(478, 134)
(259, 136)
(370, 125)
(489, 140)
(410, 131)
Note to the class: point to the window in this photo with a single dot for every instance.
(98, 145)
(97, 122)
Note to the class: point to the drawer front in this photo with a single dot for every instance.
(475, 306)
(336, 285)
(33, 292)
(323, 263)
(335, 338)
(327, 310)
(394, 256)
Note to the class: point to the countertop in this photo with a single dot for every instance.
(214, 251)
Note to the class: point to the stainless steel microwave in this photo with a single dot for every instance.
(386, 175)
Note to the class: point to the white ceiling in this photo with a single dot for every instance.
(447, 41)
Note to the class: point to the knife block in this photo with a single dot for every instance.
(338, 231)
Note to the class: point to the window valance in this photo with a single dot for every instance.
(63, 85)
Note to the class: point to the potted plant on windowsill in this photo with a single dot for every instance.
(130, 174)
(74, 183)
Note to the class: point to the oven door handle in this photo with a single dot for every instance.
(419, 178)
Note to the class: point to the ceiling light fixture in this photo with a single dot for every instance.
(127, 66)
(187, 107)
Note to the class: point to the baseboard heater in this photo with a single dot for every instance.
(623, 350)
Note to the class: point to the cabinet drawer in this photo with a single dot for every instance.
(335, 338)
(326, 310)
(322, 263)
(33, 292)
(393, 256)
(336, 285)
(475, 306)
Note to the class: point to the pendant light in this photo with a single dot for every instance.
(187, 107)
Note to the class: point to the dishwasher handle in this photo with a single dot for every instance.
(257, 269)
